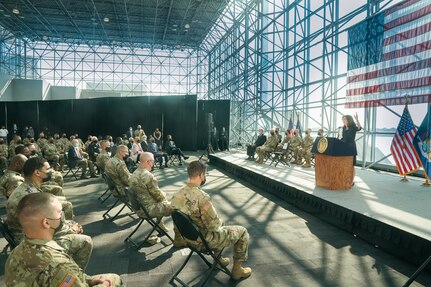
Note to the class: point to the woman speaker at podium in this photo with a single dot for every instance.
(349, 131)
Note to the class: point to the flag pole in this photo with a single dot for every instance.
(427, 183)
(404, 179)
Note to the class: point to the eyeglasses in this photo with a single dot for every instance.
(62, 217)
(152, 161)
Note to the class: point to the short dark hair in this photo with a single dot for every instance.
(195, 168)
(32, 204)
(33, 164)
(19, 149)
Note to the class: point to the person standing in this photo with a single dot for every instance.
(349, 132)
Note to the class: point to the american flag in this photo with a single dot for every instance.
(390, 57)
(402, 148)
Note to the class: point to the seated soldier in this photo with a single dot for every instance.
(42, 141)
(75, 157)
(16, 141)
(41, 261)
(172, 149)
(12, 177)
(251, 149)
(51, 154)
(269, 146)
(194, 202)
(305, 149)
(144, 184)
(295, 144)
(36, 170)
(103, 156)
(116, 168)
(4, 154)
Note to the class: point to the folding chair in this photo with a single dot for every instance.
(136, 206)
(281, 156)
(119, 199)
(7, 234)
(71, 168)
(190, 231)
(107, 191)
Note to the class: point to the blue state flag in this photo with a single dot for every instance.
(422, 143)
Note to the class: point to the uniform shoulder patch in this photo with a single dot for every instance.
(68, 280)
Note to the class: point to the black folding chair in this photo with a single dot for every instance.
(107, 191)
(136, 206)
(73, 169)
(120, 199)
(190, 231)
(281, 156)
(7, 234)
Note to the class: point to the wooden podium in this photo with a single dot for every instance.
(333, 163)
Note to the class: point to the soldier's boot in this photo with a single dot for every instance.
(223, 260)
(154, 239)
(179, 241)
(239, 272)
(164, 227)
(307, 163)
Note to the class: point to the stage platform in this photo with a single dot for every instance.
(393, 215)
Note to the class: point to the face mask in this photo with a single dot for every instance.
(48, 177)
(108, 149)
(125, 157)
(203, 181)
(76, 144)
(1, 142)
(272, 133)
(19, 142)
(33, 152)
(60, 225)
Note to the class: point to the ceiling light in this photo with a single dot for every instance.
(106, 19)
(174, 29)
(15, 11)
(187, 26)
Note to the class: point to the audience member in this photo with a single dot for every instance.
(144, 184)
(158, 155)
(144, 143)
(12, 177)
(103, 156)
(16, 141)
(4, 153)
(172, 149)
(75, 157)
(41, 261)
(139, 132)
(269, 146)
(93, 149)
(251, 149)
(157, 134)
(295, 144)
(51, 154)
(4, 132)
(136, 149)
(79, 246)
(116, 168)
(194, 202)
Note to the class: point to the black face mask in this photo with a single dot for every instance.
(33, 152)
(272, 133)
(58, 228)
(125, 157)
(48, 177)
(108, 149)
(203, 181)
(19, 142)
(1, 142)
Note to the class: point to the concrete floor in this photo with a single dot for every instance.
(288, 246)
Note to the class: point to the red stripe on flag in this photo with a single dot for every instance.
(412, 33)
(408, 18)
(400, 6)
(387, 102)
(400, 85)
(419, 65)
(421, 47)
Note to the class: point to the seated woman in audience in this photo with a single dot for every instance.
(136, 149)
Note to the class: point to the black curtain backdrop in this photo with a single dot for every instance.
(176, 115)
(220, 109)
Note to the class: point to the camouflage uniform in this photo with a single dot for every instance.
(37, 262)
(102, 159)
(269, 146)
(12, 147)
(295, 144)
(192, 201)
(9, 181)
(42, 143)
(285, 140)
(4, 155)
(79, 246)
(51, 154)
(144, 184)
(305, 150)
(116, 168)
